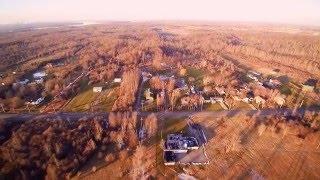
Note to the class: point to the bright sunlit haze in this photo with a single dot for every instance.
(306, 12)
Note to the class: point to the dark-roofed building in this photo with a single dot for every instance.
(309, 85)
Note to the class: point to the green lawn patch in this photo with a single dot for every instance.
(84, 100)
(81, 102)
(213, 107)
(197, 74)
(242, 105)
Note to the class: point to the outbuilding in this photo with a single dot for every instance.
(97, 89)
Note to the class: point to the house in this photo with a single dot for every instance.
(207, 80)
(148, 95)
(208, 99)
(259, 100)
(177, 148)
(37, 102)
(39, 81)
(259, 83)
(180, 144)
(252, 77)
(49, 65)
(280, 100)
(309, 85)
(255, 73)
(246, 100)
(236, 98)
(207, 89)
(24, 82)
(97, 89)
(193, 91)
(275, 82)
(181, 84)
(307, 88)
(272, 83)
(40, 74)
(220, 90)
(250, 95)
(170, 158)
(218, 99)
(117, 80)
(163, 77)
(183, 72)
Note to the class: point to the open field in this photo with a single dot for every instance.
(89, 100)
(270, 154)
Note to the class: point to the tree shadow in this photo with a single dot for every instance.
(284, 79)
(202, 133)
(232, 113)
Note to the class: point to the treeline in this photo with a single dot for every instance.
(127, 91)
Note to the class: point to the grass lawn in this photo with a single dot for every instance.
(151, 107)
(107, 100)
(197, 74)
(242, 105)
(168, 126)
(84, 100)
(213, 107)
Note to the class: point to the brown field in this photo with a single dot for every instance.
(271, 155)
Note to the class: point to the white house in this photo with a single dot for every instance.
(255, 73)
(40, 74)
(246, 100)
(192, 90)
(218, 99)
(39, 81)
(220, 90)
(259, 100)
(148, 95)
(97, 89)
(252, 77)
(280, 100)
(117, 80)
(37, 102)
(209, 100)
(24, 82)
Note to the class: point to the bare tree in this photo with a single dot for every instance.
(2, 105)
(140, 163)
(151, 124)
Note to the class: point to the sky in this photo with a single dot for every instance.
(304, 12)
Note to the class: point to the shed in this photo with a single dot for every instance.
(117, 80)
(40, 74)
(309, 85)
(97, 89)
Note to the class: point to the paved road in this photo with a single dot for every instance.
(137, 105)
(226, 113)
